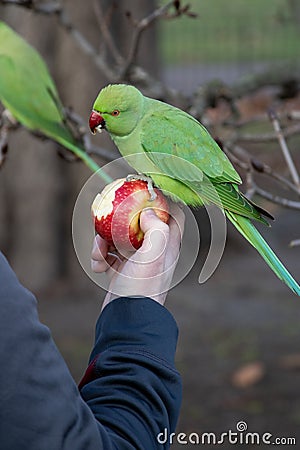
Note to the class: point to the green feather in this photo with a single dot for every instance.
(27, 89)
(28, 92)
(228, 197)
(248, 230)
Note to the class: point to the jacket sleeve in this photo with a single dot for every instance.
(132, 385)
(40, 405)
(130, 392)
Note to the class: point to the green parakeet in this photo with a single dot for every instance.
(28, 92)
(138, 124)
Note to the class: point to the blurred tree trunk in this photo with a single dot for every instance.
(37, 188)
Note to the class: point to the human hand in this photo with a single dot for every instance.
(148, 271)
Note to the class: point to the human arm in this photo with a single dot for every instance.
(139, 333)
(40, 405)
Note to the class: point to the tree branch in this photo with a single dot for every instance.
(264, 168)
(84, 136)
(276, 198)
(139, 28)
(85, 45)
(7, 123)
(285, 150)
(269, 137)
(295, 243)
(106, 34)
(51, 7)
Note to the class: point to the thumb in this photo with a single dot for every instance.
(156, 236)
(149, 221)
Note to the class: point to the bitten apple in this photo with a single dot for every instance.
(116, 212)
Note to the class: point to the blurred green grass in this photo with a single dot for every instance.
(231, 30)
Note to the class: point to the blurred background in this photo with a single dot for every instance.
(238, 351)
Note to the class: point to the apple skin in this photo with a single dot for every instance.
(116, 212)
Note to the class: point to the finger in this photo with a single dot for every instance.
(100, 249)
(99, 256)
(149, 220)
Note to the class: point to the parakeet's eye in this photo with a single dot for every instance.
(115, 112)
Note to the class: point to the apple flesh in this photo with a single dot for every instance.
(116, 212)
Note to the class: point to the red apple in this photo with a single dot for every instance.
(116, 212)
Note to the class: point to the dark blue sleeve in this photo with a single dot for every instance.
(40, 405)
(132, 385)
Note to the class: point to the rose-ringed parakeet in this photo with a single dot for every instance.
(138, 124)
(29, 93)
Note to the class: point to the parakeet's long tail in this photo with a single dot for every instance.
(248, 230)
(84, 157)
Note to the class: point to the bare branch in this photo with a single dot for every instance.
(101, 152)
(262, 117)
(145, 23)
(264, 168)
(295, 243)
(51, 7)
(84, 136)
(294, 115)
(285, 150)
(241, 157)
(276, 198)
(106, 34)
(250, 184)
(269, 137)
(85, 45)
(7, 123)
(139, 28)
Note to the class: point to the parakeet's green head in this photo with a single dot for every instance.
(118, 109)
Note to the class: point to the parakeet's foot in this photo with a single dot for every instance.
(140, 176)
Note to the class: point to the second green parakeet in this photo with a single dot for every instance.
(29, 93)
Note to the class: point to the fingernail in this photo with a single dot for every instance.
(149, 212)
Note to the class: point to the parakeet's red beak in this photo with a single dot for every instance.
(96, 122)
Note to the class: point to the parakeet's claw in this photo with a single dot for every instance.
(148, 180)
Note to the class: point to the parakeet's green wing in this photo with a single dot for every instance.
(26, 87)
(172, 131)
